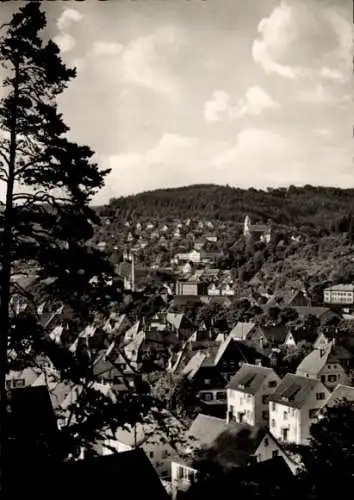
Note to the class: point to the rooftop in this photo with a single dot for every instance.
(249, 378)
(294, 390)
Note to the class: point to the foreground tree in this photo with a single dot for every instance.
(45, 225)
(331, 452)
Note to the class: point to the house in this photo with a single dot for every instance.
(342, 295)
(340, 394)
(212, 367)
(269, 337)
(293, 406)
(261, 232)
(157, 442)
(243, 331)
(248, 392)
(330, 364)
(232, 445)
(289, 297)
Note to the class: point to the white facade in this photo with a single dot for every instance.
(292, 425)
(339, 294)
(252, 409)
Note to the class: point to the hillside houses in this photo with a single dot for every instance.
(293, 406)
(332, 364)
(248, 392)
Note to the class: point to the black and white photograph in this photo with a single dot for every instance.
(176, 249)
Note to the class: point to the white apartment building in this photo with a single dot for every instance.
(248, 392)
(293, 407)
(342, 294)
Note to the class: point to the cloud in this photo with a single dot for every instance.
(102, 48)
(255, 101)
(217, 107)
(317, 94)
(143, 62)
(67, 18)
(302, 38)
(64, 40)
(258, 157)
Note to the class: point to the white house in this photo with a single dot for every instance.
(328, 364)
(248, 392)
(293, 406)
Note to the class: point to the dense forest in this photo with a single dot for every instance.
(309, 206)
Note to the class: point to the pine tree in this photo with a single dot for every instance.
(45, 224)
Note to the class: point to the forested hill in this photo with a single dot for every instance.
(294, 206)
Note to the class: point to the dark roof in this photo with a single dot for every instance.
(249, 378)
(294, 390)
(235, 445)
(32, 425)
(130, 471)
(275, 334)
(269, 476)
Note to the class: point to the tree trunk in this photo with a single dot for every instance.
(5, 276)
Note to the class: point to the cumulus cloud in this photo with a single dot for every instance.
(68, 17)
(255, 101)
(217, 107)
(142, 62)
(65, 41)
(300, 37)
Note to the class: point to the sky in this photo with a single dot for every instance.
(176, 92)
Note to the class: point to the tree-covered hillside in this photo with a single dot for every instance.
(313, 206)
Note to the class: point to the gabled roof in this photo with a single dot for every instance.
(294, 390)
(205, 429)
(249, 378)
(340, 393)
(314, 362)
(242, 330)
(237, 443)
(276, 334)
(175, 319)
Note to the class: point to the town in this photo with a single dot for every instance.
(176, 250)
(224, 360)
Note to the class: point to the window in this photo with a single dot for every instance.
(19, 383)
(206, 396)
(275, 453)
(272, 384)
(285, 415)
(265, 399)
(272, 423)
(320, 396)
(265, 415)
(284, 434)
(312, 413)
(151, 454)
(220, 395)
(273, 406)
(332, 378)
(207, 381)
(8, 384)
(266, 441)
(323, 378)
